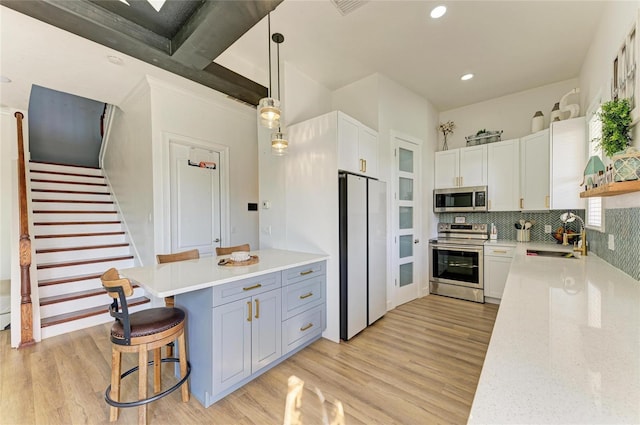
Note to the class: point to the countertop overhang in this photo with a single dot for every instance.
(565, 347)
(165, 280)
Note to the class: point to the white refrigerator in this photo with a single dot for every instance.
(363, 252)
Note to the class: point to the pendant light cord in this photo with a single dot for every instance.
(278, 50)
(269, 40)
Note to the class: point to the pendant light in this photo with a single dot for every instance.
(279, 143)
(269, 107)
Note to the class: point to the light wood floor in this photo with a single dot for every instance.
(419, 364)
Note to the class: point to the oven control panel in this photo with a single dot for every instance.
(478, 228)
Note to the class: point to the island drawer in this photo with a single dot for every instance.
(302, 296)
(301, 328)
(234, 291)
(299, 273)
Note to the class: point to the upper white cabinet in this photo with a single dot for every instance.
(357, 147)
(568, 157)
(461, 167)
(534, 171)
(503, 165)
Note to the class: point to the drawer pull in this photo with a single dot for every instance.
(310, 294)
(499, 251)
(249, 288)
(250, 311)
(257, 309)
(306, 272)
(307, 326)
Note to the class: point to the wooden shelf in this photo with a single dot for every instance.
(612, 189)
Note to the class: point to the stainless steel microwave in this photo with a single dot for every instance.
(460, 199)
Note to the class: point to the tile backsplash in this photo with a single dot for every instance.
(622, 223)
(505, 222)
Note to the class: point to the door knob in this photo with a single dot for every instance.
(416, 241)
(216, 240)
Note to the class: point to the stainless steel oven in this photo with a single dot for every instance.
(456, 260)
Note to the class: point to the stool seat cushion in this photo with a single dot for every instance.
(149, 322)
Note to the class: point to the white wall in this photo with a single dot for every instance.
(511, 113)
(303, 99)
(212, 119)
(128, 167)
(597, 71)
(360, 100)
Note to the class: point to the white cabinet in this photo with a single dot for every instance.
(568, 158)
(534, 171)
(503, 185)
(357, 147)
(462, 167)
(497, 261)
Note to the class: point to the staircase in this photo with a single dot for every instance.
(77, 237)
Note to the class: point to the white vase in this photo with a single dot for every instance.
(556, 115)
(537, 122)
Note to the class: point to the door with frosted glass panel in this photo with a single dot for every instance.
(407, 220)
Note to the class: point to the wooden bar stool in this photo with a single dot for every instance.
(221, 250)
(138, 333)
(192, 254)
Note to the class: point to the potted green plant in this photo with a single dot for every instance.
(616, 126)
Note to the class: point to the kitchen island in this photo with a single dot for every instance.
(565, 347)
(241, 320)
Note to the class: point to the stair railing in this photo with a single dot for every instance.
(26, 307)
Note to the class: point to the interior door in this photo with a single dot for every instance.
(195, 199)
(406, 221)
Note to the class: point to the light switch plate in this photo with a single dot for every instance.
(611, 244)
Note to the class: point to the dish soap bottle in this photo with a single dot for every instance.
(494, 232)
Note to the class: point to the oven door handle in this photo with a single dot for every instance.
(478, 249)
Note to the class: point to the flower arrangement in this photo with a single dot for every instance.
(446, 129)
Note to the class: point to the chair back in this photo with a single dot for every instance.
(192, 254)
(118, 289)
(229, 249)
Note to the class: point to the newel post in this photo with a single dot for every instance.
(26, 307)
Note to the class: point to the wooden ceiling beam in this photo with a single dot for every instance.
(89, 21)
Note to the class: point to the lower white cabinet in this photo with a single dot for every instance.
(497, 261)
(236, 331)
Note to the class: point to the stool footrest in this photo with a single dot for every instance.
(155, 397)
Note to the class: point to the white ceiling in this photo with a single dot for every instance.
(510, 46)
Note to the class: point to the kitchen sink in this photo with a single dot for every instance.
(544, 253)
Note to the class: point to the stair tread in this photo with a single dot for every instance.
(71, 201)
(73, 212)
(77, 192)
(80, 248)
(67, 182)
(60, 173)
(63, 165)
(81, 314)
(74, 296)
(78, 235)
(67, 223)
(83, 262)
(76, 278)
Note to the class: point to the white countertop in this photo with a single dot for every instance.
(566, 344)
(164, 280)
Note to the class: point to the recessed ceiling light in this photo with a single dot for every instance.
(4, 79)
(438, 12)
(466, 77)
